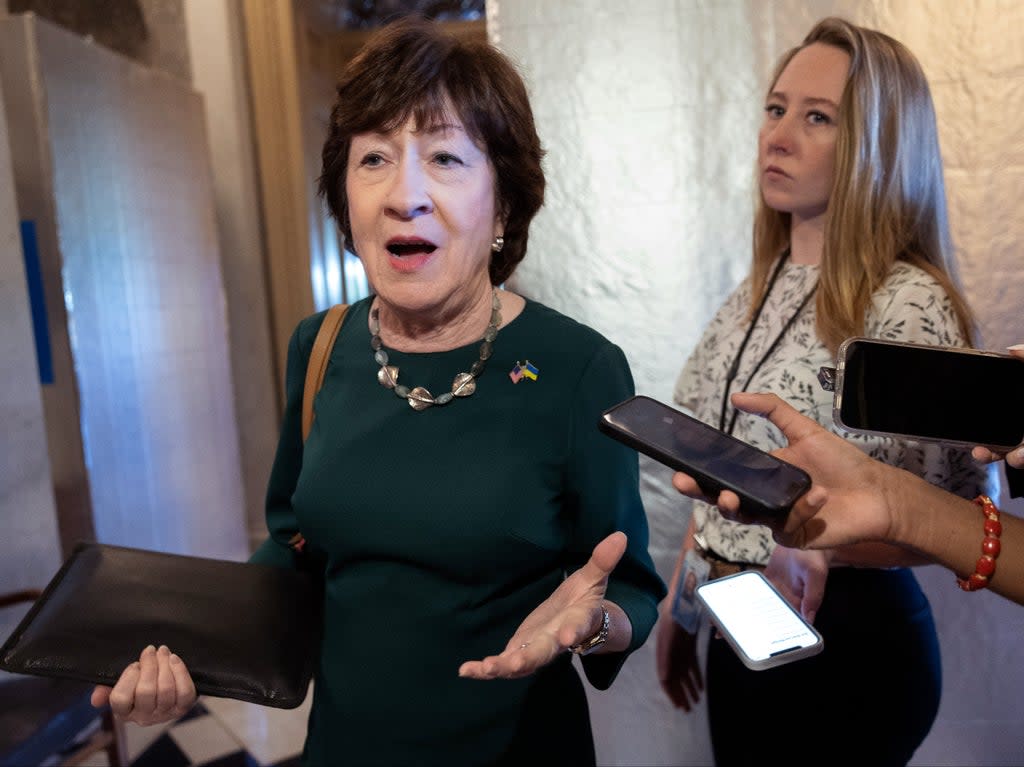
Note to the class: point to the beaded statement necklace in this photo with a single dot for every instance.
(463, 385)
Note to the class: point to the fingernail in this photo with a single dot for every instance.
(1016, 348)
(175, 658)
(164, 650)
(150, 648)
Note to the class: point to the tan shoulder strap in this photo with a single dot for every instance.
(317, 366)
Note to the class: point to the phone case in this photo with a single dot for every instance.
(840, 380)
(759, 664)
(712, 486)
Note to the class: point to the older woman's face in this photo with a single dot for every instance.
(423, 215)
(797, 147)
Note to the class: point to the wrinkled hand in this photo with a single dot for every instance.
(156, 688)
(800, 577)
(571, 614)
(677, 662)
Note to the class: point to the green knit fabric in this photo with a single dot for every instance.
(437, 532)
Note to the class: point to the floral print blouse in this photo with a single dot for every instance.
(911, 306)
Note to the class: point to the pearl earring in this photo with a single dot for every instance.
(498, 244)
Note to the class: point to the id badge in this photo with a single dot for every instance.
(686, 610)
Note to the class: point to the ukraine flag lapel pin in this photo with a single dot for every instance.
(523, 370)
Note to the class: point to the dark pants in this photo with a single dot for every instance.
(869, 698)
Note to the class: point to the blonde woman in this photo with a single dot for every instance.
(850, 238)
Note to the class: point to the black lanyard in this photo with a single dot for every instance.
(735, 367)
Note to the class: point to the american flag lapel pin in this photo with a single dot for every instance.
(523, 370)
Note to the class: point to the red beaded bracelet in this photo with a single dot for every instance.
(986, 565)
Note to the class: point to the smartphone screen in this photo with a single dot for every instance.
(760, 625)
(932, 393)
(765, 484)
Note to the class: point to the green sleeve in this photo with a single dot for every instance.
(284, 475)
(604, 494)
(272, 553)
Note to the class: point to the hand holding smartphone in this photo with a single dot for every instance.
(757, 622)
(767, 486)
(930, 393)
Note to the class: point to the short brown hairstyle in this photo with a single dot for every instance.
(413, 68)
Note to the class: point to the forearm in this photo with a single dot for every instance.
(949, 530)
(877, 554)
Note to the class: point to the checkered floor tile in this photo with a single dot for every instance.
(199, 739)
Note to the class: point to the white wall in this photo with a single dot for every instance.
(649, 113)
(216, 46)
(111, 161)
(30, 553)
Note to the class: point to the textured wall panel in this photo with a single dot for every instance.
(30, 552)
(649, 114)
(133, 249)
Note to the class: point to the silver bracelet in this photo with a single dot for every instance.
(590, 644)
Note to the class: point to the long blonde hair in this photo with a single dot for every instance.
(888, 196)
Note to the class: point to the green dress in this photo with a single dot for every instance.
(437, 532)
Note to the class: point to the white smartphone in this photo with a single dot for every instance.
(756, 620)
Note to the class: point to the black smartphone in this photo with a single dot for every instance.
(931, 393)
(767, 486)
(761, 627)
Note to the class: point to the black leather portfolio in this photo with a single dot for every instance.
(245, 631)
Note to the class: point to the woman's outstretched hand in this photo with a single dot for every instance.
(571, 614)
(156, 688)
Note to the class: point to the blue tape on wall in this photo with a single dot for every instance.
(37, 302)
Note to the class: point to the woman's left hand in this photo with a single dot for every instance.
(800, 577)
(571, 614)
